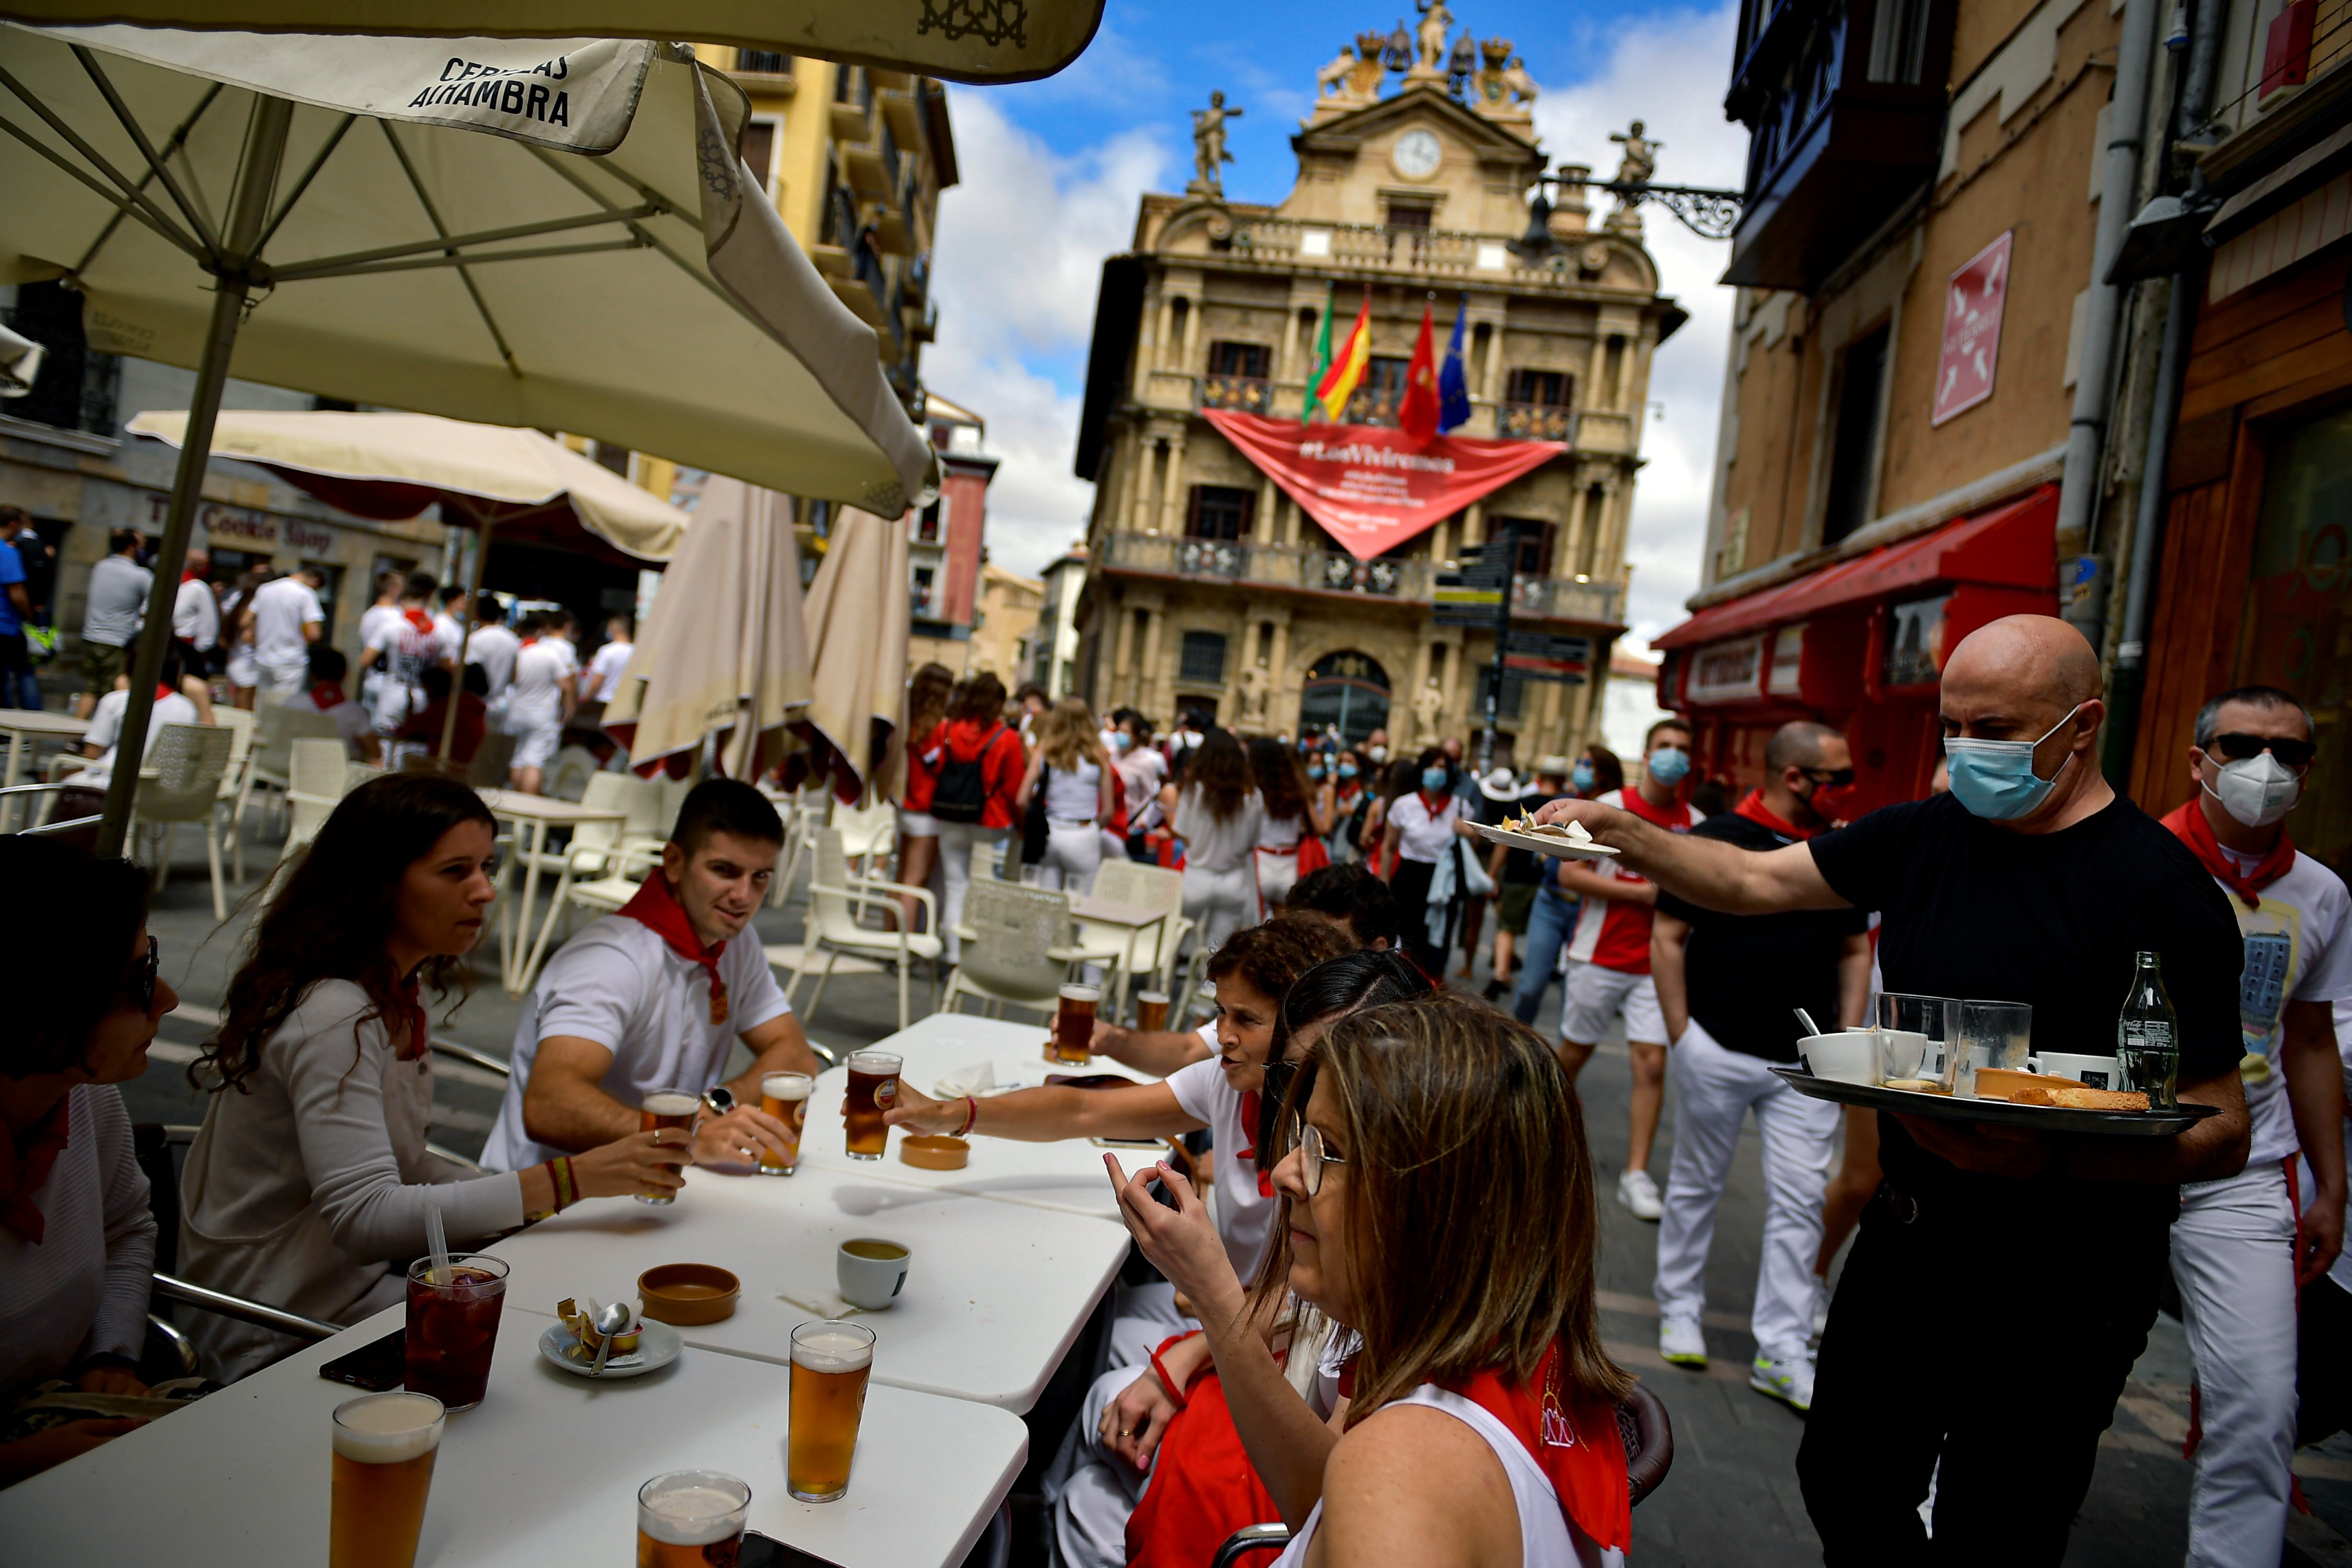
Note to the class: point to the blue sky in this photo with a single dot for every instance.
(1053, 171)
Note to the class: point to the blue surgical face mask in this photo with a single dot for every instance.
(1995, 779)
(1120, 741)
(1668, 764)
(1432, 779)
(1347, 770)
(1315, 770)
(1582, 775)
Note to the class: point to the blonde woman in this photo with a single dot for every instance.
(1071, 766)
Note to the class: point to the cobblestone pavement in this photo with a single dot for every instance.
(1732, 1497)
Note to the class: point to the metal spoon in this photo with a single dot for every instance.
(610, 1321)
(1807, 1020)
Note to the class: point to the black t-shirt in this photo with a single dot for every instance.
(1970, 909)
(1746, 974)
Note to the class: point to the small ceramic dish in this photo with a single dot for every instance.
(687, 1293)
(935, 1152)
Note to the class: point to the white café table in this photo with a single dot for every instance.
(25, 727)
(544, 1471)
(995, 1294)
(533, 816)
(1068, 1176)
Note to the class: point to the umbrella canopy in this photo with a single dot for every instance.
(1018, 41)
(391, 466)
(859, 611)
(724, 650)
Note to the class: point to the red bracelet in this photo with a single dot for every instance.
(1166, 1382)
(971, 1116)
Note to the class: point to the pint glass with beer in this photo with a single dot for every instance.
(785, 1096)
(452, 1326)
(830, 1365)
(668, 1108)
(1073, 1024)
(384, 1444)
(872, 1089)
(691, 1519)
(1150, 1011)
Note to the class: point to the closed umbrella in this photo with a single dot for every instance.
(963, 41)
(553, 234)
(859, 611)
(724, 650)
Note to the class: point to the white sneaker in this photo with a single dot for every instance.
(1638, 1193)
(1789, 1379)
(1682, 1344)
(1821, 1307)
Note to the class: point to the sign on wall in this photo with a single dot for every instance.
(1727, 671)
(1972, 306)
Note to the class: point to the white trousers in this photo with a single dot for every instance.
(1219, 903)
(1714, 1090)
(1089, 1490)
(956, 839)
(2233, 1259)
(1277, 873)
(1074, 852)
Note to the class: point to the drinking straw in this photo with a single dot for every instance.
(437, 1239)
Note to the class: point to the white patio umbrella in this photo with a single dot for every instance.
(553, 234)
(724, 650)
(961, 40)
(859, 607)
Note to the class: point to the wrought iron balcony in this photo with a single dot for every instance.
(1535, 422)
(1247, 393)
(1242, 563)
(1379, 248)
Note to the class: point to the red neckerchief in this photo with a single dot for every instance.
(1253, 1106)
(2188, 823)
(656, 908)
(417, 618)
(188, 576)
(420, 1027)
(1751, 807)
(328, 694)
(1574, 1442)
(28, 1172)
(1433, 803)
(162, 691)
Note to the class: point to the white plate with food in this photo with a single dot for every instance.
(660, 1345)
(1560, 840)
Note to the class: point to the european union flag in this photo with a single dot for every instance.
(1453, 379)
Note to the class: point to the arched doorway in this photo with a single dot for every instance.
(1348, 691)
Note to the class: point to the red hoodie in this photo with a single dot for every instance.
(1000, 769)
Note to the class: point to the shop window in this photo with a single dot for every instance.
(1914, 642)
(1219, 512)
(1405, 213)
(1541, 388)
(1854, 448)
(1536, 539)
(1202, 659)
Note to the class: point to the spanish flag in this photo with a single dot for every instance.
(1347, 369)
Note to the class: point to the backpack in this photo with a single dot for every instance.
(961, 793)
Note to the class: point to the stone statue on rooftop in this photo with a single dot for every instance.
(1209, 155)
(1641, 155)
(1430, 33)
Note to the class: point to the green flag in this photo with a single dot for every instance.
(1322, 356)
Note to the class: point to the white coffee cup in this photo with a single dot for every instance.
(1901, 1053)
(2099, 1072)
(871, 1271)
(1848, 1056)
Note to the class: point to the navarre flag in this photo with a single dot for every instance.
(1453, 377)
(1344, 374)
(1322, 365)
(1417, 411)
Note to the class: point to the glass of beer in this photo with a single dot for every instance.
(452, 1326)
(384, 1444)
(668, 1108)
(830, 1364)
(1073, 1024)
(1150, 1011)
(785, 1096)
(691, 1519)
(872, 1089)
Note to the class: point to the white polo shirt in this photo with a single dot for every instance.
(620, 984)
(1244, 1216)
(282, 607)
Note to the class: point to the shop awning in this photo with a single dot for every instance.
(2008, 546)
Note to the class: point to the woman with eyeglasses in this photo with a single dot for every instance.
(309, 1185)
(1436, 1197)
(77, 1240)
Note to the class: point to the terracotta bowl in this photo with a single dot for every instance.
(685, 1293)
(935, 1152)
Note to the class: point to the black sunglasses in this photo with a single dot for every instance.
(1828, 778)
(139, 986)
(2238, 747)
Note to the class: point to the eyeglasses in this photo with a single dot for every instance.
(1312, 1156)
(2238, 747)
(1828, 778)
(139, 986)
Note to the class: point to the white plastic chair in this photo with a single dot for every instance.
(866, 831)
(269, 761)
(835, 899)
(567, 775)
(1151, 950)
(493, 759)
(181, 782)
(318, 774)
(1013, 947)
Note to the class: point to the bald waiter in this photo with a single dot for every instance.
(2003, 1283)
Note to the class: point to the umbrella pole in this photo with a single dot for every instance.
(265, 146)
(465, 634)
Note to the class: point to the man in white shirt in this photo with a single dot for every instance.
(172, 707)
(372, 620)
(405, 648)
(2244, 1245)
(449, 622)
(494, 647)
(287, 619)
(656, 996)
(195, 614)
(541, 702)
(603, 679)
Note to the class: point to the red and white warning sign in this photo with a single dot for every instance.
(1972, 303)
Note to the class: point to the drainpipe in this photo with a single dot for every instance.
(2094, 387)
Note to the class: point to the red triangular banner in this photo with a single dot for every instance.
(1373, 488)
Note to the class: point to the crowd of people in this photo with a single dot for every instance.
(1384, 1326)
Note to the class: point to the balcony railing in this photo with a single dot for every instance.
(1535, 422)
(1243, 562)
(1368, 407)
(1378, 248)
(1248, 393)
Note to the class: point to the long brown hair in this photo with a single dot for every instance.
(1470, 1217)
(1281, 783)
(927, 700)
(1069, 736)
(1218, 768)
(333, 920)
(979, 700)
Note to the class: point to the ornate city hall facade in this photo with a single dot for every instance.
(1282, 575)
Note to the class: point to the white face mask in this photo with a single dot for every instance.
(2257, 791)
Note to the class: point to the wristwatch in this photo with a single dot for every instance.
(718, 1101)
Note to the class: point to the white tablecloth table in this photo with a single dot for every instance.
(995, 1294)
(544, 1471)
(533, 816)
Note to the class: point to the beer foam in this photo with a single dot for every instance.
(690, 1516)
(670, 1104)
(835, 1351)
(787, 1086)
(386, 1428)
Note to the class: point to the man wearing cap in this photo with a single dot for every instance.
(1517, 873)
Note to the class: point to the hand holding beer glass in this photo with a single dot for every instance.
(662, 1110)
(831, 1361)
(384, 1445)
(785, 1096)
(691, 1519)
(872, 1089)
(1073, 1024)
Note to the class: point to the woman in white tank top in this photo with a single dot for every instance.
(1295, 812)
(1424, 1111)
(1076, 773)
